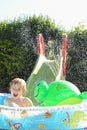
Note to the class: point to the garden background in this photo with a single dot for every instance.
(18, 53)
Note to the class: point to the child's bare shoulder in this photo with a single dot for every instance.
(28, 101)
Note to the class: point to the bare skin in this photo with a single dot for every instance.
(17, 100)
(22, 102)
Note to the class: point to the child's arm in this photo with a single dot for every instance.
(7, 102)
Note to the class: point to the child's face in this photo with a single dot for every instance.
(16, 91)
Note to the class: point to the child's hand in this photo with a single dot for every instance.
(12, 104)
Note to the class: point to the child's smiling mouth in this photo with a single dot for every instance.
(15, 95)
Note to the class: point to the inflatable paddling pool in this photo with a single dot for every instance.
(64, 117)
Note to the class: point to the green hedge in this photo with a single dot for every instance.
(77, 58)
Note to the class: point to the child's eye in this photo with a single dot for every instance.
(13, 89)
(19, 89)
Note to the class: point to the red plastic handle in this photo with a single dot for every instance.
(40, 45)
(64, 52)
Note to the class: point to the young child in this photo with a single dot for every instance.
(17, 89)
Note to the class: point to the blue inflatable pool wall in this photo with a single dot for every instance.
(66, 117)
(3, 96)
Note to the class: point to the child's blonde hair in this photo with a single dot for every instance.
(19, 81)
